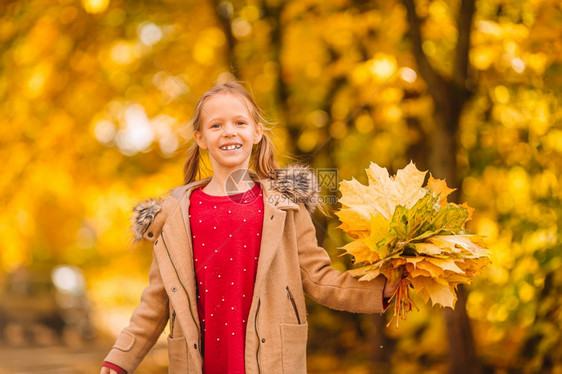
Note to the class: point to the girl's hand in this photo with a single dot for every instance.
(105, 370)
(390, 289)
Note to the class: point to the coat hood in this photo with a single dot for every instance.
(297, 183)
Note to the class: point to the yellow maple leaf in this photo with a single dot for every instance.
(379, 230)
(354, 223)
(366, 273)
(390, 266)
(456, 243)
(469, 209)
(447, 264)
(403, 189)
(478, 240)
(361, 252)
(396, 262)
(413, 271)
(438, 293)
(383, 193)
(427, 249)
(359, 198)
(455, 279)
(440, 188)
(471, 266)
(414, 260)
(433, 269)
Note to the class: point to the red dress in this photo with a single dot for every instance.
(226, 234)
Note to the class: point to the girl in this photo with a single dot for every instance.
(230, 270)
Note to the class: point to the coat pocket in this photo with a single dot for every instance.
(293, 304)
(293, 340)
(177, 355)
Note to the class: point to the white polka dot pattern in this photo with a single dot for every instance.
(226, 240)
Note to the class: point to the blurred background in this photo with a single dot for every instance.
(95, 100)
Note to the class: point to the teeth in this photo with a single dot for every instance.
(231, 146)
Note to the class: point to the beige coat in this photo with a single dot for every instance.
(290, 261)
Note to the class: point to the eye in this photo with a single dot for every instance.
(215, 125)
(240, 123)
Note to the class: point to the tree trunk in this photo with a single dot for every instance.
(224, 15)
(449, 95)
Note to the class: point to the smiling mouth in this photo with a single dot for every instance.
(230, 147)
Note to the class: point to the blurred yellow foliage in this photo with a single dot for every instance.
(96, 97)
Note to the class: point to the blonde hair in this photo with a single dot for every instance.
(262, 159)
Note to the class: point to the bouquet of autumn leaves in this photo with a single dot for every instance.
(405, 231)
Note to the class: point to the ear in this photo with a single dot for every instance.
(199, 139)
(258, 133)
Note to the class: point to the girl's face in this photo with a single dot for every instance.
(227, 132)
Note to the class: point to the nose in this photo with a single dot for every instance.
(230, 130)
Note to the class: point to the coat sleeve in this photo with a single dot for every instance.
(328, 286)
(146, 324)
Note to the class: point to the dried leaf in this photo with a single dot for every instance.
(353, 223)
(427, 249)
(438, 293)
(383, 193)
(440, 188)
(361, 252)
(448, 264)
(379, 230)
(366, 273)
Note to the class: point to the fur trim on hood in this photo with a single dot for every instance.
(298, 183)
(143, 215)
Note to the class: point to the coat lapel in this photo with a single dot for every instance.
(272, 231)
(177, 234)
(275, 206)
